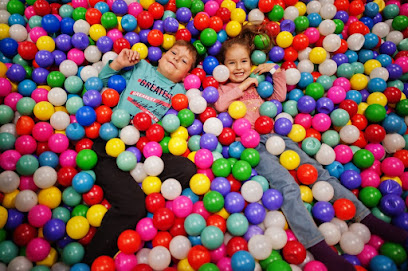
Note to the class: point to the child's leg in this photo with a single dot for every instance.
(179, 168)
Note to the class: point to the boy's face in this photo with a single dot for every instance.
(175, 63)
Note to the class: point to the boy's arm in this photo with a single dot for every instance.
(227, 95)
(279, 86)
(107, 72)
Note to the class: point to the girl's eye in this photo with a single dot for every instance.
(173, 52)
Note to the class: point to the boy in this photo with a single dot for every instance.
(148, 90)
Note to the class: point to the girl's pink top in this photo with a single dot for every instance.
(230, 92)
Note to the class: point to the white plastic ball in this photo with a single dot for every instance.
(153, 166)
(380, 72)
(18, 32)
(361, 230)
(130, 135)
(108, 56)
(278, 237)
(305, 66)
(9, 128)
(381, 29)
(256, 16)
(252, 191)
(9, 181)
(257, 266)
(274, 219)
(324, 2)
(143, 256)
(171, 189)
(325, 155)
(313, 7)
(395, 36)
(284, 115)
(25, 200)
(389, 23)
(328, 67)
(197, 105)
(68, 68)
(82, 26)
(98, 66)
(92, 54)
(355, 42)
(393, 143)
(322, 191)
(60, 120)
(138, 173)
(341, 224)
(57, 96)
(213, 126)
(221, 73)
(4, 16)
(193, 92)
(304, 54)
(19, 263)
(60, 266)
(291, 13)
(88, 72)
(330, 232)
(309, 258)
(292, 76)
(331, 43)
(159, 258)
(45, 177)
(349, 134)
(351, 244)
(275, 145)
(327, 27)
(179, 247)
(295, 267)
(328, 11)
(3, 4)
(260, 246)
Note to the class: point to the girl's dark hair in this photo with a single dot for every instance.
(246, 39)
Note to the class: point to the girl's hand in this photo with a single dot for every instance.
(247, 83)
(262, 68)
(126, 58)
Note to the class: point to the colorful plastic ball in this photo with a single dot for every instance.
(381, 262)
(344, 209)
(37, 249)
(363, 158)
(323, 211)
(198, 256)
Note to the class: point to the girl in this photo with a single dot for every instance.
(235, 54)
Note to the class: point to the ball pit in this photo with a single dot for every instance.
(346, 68)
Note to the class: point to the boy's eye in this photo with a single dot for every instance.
(184, 61)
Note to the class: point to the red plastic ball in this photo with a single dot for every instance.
(344, 209)
(311, 132)
(393, 95)
(197, 256)
(142, 267)
(156, 10)
(224, 14)
(360, 121)
(201, 21)
(93, 16)
(163, 219)
(265, 5)
(92, 131)
(272, 28)
(235, 184)
(42, 147)
(264, 125)
(103, 263)
(291, 54)
(55, 8)
(307, 174)
(171, 5)
(27, 50)
(155, 37)
(65, 176)
(83, 144)
(342, 5)
(142, 121)
(300, 42)
(209, 112)
(361, 142)
(145, 20)
(403, 156)
(179, 102)
(163, 239)
(154, 202)
(92, 3)
(356, 8)
(358, 27)
(24, 125)
(200, 73)
(209, 81)
(350, 106)
(288, 65)
(103, 114)
(178, 227)
(316, 75)
(110, 97)
(23, 234)
(294, 252)
(294, 175)
(155, 133)
(129, 241)
(88, 237)
(183, 34)
(121, 44)
(375, 133)
(227, 136)
(42, 7)
(236, 244)
(216, 23)
(142, 143)
(93, 196)
(343, 47)
(217, 221)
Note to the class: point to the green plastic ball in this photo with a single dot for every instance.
(403, 45)
(232, 161)
(186, 117)
(363, 159)
(221, 167)
(165, 144)
(402, 108)
(183, 3)
(73, 84)
(40, 268)
(79, 14)
(61, 213)
(25, 106)
(279, 265)
(208, 37)
(86, 159)
(275, 255)
(259, 77)
(71, 197)
(27, 165)
(15, 7)
(168, 14)
(311, 145)
(213, 201)
(251, 156)
(80, 210)
(8, 251)
(55, 79)
(126, 161)
(200, 48)
(6, 114)
(262, 42)
(345, 70)
(268, 109)
(339, 26)
(73, 104)
(370, 196)
(212, 237)
(400, 23)
(339, 117)
(30, 2)
(396, 84)
(326, 81)
(375, 113)
(390, 11)
(29, 71)
(66, 11)
(208, 267)
(258, 57)
(301, 24)
(120, 118)
(290, 107)
(194, 224)
(394, 251)
(3, 235)
(358, 67)
(276, 14)
(237, 224)
(315, 90)
(73, 253)
(17, 59)
(241, 170)
(109, 20)
(197, 6)
(7, 141)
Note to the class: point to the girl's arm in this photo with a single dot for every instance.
(227, 95)
(279, 86)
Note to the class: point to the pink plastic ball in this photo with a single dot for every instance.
(224, 264)
(250, 139)
(314, 266)
(76, 55)
(207, 172)
(37, 249)
(321, 122)
(29, 12)
(68, 158)
(392, 166)
(182, 206)
(344, 154)
(79, 3)
(394, 2)
(110, 3)
(203, 159)
(12, 99)
(404, 9)
(72, 119)
(375, 241)
(198, 208)
(220, 1)
(369, 178)
(8, 65)
(241, 126)
(336, 94)
(25, 144)
(58, 143)
(211, 7)
(342, 82)
(403, 62)
(404, 180)
(192, 81)
(376, 166)
(218, 253)
(146, 229)
(290, 87)
(39, 215)
(5, 87)
(367, 254)
(9, 159)
(152, 148)
(125, 262)
(351, 20)
(303, 119)
(291, 236)
(40, 95)
(27, 183)
(377, 150)
(42, 131)
(114, 34)
(36, 33)
(313, 34)
(58, 17)
(135, 8)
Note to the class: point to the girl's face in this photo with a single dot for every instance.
(238, 62)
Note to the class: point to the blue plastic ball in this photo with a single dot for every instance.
(265, 89)
(8, 47)
(54, 229)
(128, 22)
(50, 23)
(209, 64)
(67, 26)
(306, 79)
(82, 182)
(75, 131)
(382, 263)
(117, 82)
(85, 115)
(314, 19)
(48, 158)
(242, 260)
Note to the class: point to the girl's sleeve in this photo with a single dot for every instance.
(279, 86)
(227, 95)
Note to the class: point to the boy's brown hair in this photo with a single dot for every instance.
(191, 49)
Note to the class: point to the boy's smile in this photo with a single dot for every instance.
(175, 63)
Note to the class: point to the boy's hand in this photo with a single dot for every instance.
(262, 68)
(126, 58)
(247, 83)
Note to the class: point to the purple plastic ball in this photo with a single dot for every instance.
(388, 48)
(272, 199)
(392, 205)
(225, 152)
(154, 54)
(221, 185)
(350, 179)
(104, 44)
(279, 106)
(401, 221)
(283, 126)
(340, 59)
(390, 187)
(171, 25)
(215, 48)
(323, 211)
(287, 25)
(226, 119)
(92, 98)
(210, 94)
(183, 15)
(44, 58)
(252, 230)
(306, 104)
(80, 41)
(54, 229)
(196, 128)
(119, 7)
(209, 142)
(190, 27)
(276, 54)
(132, 38)
(143, 35)
(39, 76)
(63, 42)
(234, 202)
(159, 25)
(255, 213)
(59, 56)
(395, 71)
(351, 259)
(16, 73)
(14, 219)
(136, 152)
(324, 105)
(342, 15)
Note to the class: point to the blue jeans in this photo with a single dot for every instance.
(297, 216)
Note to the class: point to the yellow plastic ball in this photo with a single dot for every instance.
(3, 70)
(43, 110)
(4, 31)
(77, 227)
(177, 146)
(301, 8)
(60, 132)
(306, 193)
(191, 156)
(396, 179)
(44, 87)
(96, 31)
(237, 109)
(289, 160)
(9, 200)
(181, 26)
(362, 108)
(3, 216)
(14, 87)
(230, 5)
(377, 98)
(403, 97)
(223, 213)
(370, 65)
(298, 133)
(381, 4)
(151, 185)
(51, 258)
(238, 15)
(61, 108)
(50, 197)
(168, 41)
(41, 232)
(184, 265)
(114, 147)
(45, 43)
(180, 132)
(284, 39)
(119, 26)
(200, 184)
(141, 48)
(146, 3)
(359, 81)
(95, 214)
(318, 55)
(233, 28)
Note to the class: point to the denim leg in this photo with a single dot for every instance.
(298, 218)
(323, 175)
